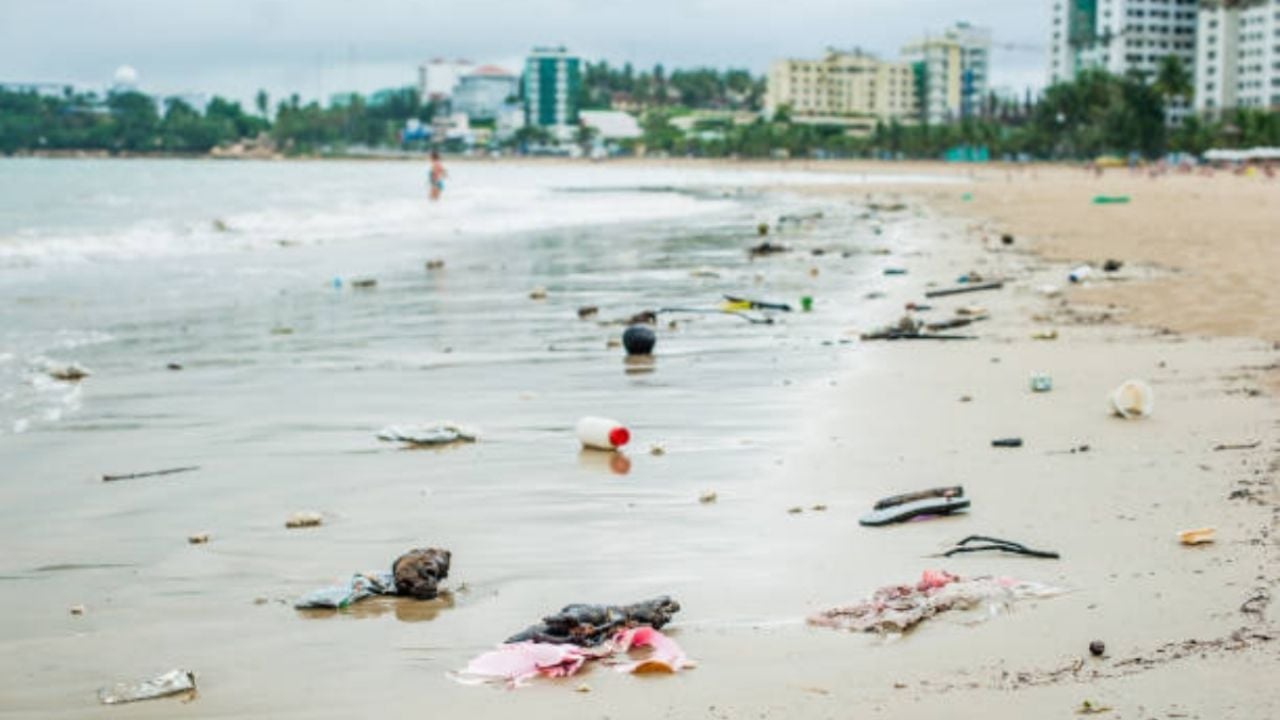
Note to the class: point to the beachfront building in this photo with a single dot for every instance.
(552, 81)
(849, 89)
(481, 93)
(951, 73)
(1121, 36)
(1238, 56)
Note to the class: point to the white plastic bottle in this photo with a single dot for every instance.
(602, 433)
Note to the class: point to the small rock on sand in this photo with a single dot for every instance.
(198, 538)
(707, 498)
(76, 609)
(538, 293)
(306, 518)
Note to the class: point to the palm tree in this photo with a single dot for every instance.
(262, 100)
(1172, 79)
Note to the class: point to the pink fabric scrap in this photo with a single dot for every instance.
(517, 663)
(667, 656)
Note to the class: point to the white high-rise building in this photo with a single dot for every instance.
(1120, 36)
(951, 72)
(1238, 58)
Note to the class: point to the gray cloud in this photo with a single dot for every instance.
(316, 47)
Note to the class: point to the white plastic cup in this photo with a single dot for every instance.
(1133, 399)
(602, 433)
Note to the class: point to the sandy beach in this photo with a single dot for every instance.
(798, 428)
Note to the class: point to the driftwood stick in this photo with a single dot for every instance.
(153, 473)
(965, 289)
(1237, 446)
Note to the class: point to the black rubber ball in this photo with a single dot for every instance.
(639, 340)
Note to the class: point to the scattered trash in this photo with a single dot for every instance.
(1045, 335)
(1200, 536)
(198, 539)
(639, 340)
(444, 433)
(436, 264)
(949, 491)
(748, 304)
(359, 587)
(901, 508)
(602, 433)
(364, 283)
(76, 610)
(1080, 274)
(898, 608)
(762, 229)
(612, 344)
(416, 574)
(895, 271)
(1133, 399)
(704, 272)
(1041, 383)
(657, 449)
(1112, 265)
(304, 519)
(1110, 199)
(514, 664)
(996, 544)
(951, 324)
(68, 373)
(908, 328)
(582, 688)
(1097, 648)
(220, 225)
(707, 498)
(806, 303)
(538, 293)
(419, 572)
(965, 289)
(170, 683)
(1088, 708)
(966, 197)
(590, 625)
(1007, 443)
(667, 656)
(588, 311)
(1236, 446)
(766, 248)
(644, 317)
(1049, 290)
(814, 272)
(151, 473)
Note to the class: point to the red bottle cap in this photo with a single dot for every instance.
(619, 436)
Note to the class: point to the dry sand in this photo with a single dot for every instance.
(896, 422)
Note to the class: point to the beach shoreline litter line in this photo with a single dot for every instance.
(898, 608)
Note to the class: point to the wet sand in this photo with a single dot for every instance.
(874, 419)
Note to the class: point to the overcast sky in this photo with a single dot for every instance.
(319, 47)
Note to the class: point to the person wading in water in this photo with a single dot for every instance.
(437, 176)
